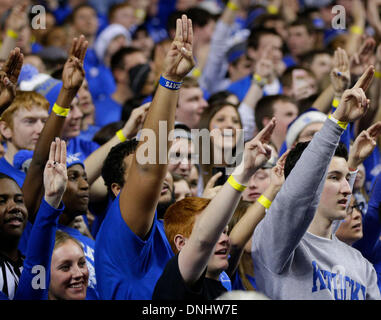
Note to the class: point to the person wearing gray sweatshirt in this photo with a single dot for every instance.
(296, 256)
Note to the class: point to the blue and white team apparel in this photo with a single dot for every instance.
(128, 267)
(292, 263)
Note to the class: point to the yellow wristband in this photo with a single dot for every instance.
(272, 9)
(357, 30)
(232, 6)
(59, 111)
(121, 136)
(377, 74)
(233, 182)
(12, 34)
(335, 103)
(342, 124)
(264, 201)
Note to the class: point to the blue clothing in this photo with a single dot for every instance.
(9, 170)
(242, 86)
(89, 133)
(107, 110)
(81, 148)
(99, 77)
(370, 245)
(39, 253)
(237, 282)
(225, 280)
(127, 266)
(88, 247)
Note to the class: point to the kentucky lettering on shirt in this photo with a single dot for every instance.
(343, 287)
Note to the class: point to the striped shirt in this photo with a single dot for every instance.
(10, 272)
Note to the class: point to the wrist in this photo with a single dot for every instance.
(235, 183)
(338, 120)
(53, 201)
(171, 77)
(11, 33)
(232, 5)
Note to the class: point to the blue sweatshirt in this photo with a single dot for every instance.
(370, 245)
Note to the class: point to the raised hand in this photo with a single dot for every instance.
(55, 173)
(362, 59)
(364, 145)
(256, 153)
(73, 72)
(136, 120)
(354, 103)
(340, 74)
(265, 67)
(277, 173)
(18, 17)
(210, 190)
(179, 60)
(9, 74)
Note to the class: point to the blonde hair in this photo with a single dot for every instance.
(26, 100)
(63, 237)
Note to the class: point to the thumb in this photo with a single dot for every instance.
(213, 180)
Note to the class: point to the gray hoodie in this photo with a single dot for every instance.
(291, 263)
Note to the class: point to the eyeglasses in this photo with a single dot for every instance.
(359, 206)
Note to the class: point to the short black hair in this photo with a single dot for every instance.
(117, 61)
(5, 176)
(257, 33)
(113, 169)
(295, 154)
(107, 132)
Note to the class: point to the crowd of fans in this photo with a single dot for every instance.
(190, 149)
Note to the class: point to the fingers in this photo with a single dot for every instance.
(179, 31)
(184, 21)
(212, 181)
(282, 160)
(190, 32)
(52, 151)
(366, 79)
(57, 154)
(374, 130)
(265, 134)
(63, 153)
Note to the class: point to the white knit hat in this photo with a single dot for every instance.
(107, 35)
(300, 123)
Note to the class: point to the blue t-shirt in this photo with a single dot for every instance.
(99, 77)
(88, 247)
(127, 266)
(81, 148)
(9, 170)
(107, 110)
(89, 133)
(242, 86)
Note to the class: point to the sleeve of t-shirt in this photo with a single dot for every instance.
(34, 279)
(171, 285)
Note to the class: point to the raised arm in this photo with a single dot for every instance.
(140, 194)
(9, 74)
(244, 229)
(94, 161)
(15, 22)
(193, 257)
(294, 207)
(72, 77)
(34, 279)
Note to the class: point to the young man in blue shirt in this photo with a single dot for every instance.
(131, 247)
